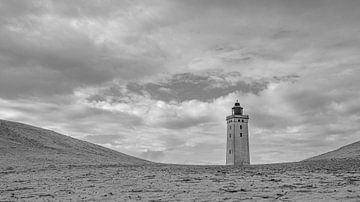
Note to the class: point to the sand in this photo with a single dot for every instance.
(304, 181)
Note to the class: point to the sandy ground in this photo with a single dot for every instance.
(306, 181)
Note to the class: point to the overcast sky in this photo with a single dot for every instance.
(156, 79)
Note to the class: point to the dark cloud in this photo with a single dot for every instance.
(44, 54)
(32, 69)
(281, 34)
(189, 86)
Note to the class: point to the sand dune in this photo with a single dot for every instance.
(351, 151)
(27, 146)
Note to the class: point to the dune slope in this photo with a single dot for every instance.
(351, 151)
(25, 145)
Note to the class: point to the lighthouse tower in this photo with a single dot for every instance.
(237, 145)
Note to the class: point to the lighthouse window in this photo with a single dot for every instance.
(240, 134)
(238, 120)
(240, 126)
(230, 151)
(242, 120)
(230, 135)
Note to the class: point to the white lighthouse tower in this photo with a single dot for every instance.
(237, 145)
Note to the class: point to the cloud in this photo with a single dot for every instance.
(48, 51)
(185, 102)
(307, 116)
(186, 86)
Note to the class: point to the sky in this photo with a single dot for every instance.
(156, 79)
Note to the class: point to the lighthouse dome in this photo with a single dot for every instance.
(237, 109)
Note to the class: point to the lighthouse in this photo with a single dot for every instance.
(237, 144)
